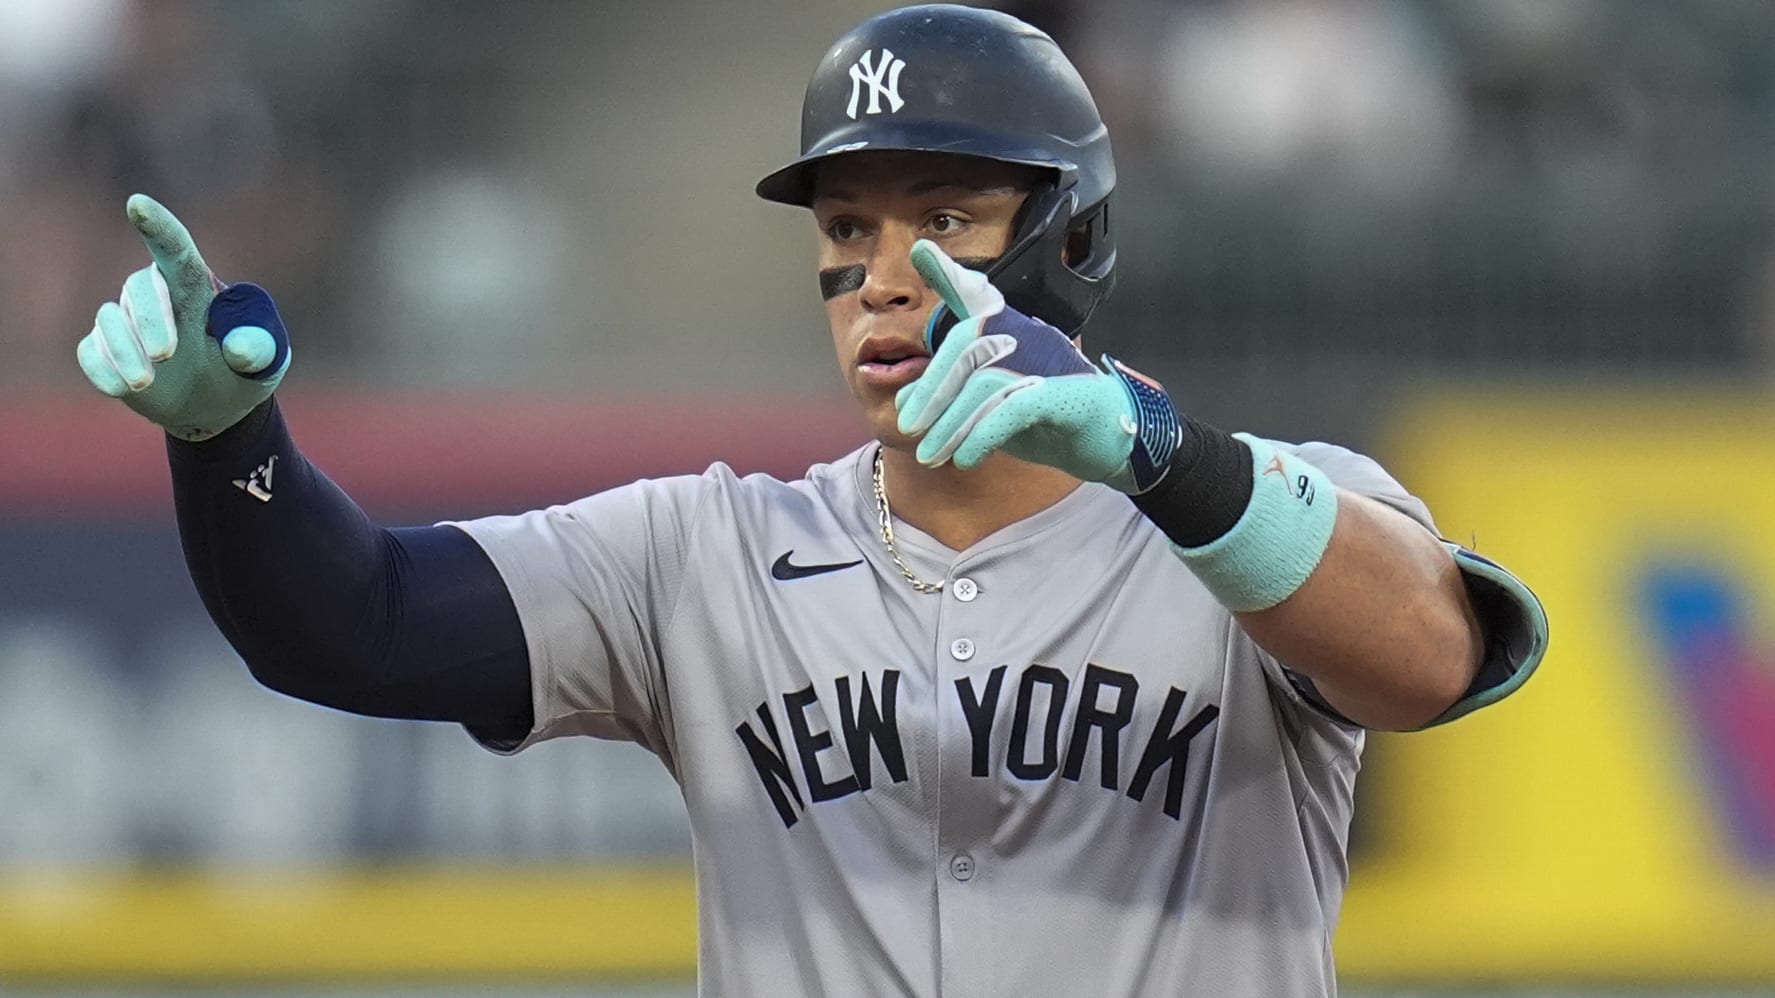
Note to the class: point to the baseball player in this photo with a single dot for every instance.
(1048, 689)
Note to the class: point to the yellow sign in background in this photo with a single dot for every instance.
(1570, 832)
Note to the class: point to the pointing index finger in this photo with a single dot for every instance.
(968, 293)
(187, 276)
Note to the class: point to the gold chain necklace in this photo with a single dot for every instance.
(887, 534)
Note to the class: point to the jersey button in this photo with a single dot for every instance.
(962, 867)
(962, 649)
(965, 590)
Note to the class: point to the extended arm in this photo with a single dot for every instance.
(320, 602)
(326, 606)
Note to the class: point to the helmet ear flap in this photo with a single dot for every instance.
(1089, 248)
(1038, 232)
(1057, 267)
(1048, 203)
(1060, 265)
(1038, 243)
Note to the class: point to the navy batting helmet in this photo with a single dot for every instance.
(950, 79)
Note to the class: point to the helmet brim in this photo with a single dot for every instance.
(794, 184)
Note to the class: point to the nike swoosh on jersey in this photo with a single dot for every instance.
(783, 571)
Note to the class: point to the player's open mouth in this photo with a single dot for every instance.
(891, 364)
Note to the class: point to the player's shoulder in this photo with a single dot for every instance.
(720, 493)
(764, 485)
(824, 485)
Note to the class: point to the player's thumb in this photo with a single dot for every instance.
(254, 342)
(249, 349)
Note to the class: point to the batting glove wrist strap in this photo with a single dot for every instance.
(248, 438)
(1156, 429)
(1278, 539)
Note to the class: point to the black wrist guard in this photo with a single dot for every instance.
(1205, 489)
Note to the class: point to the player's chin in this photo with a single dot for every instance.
(892, 439)
(884, 423)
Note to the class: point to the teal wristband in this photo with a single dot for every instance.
(1279, 539)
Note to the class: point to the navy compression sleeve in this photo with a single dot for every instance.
(326, 606)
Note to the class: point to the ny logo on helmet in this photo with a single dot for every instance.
(863, 75)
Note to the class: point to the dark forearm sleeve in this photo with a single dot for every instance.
(326, 606)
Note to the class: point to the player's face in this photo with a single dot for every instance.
(870, 208)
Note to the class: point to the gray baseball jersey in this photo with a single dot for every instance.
(1068, 773)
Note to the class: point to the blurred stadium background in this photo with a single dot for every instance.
(1521, 250)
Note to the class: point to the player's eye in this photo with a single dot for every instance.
(945, 224)
(842, 230)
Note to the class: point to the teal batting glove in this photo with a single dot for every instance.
(1001, 380)
(191, 354)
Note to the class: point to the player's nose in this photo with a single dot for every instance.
(891, 283)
